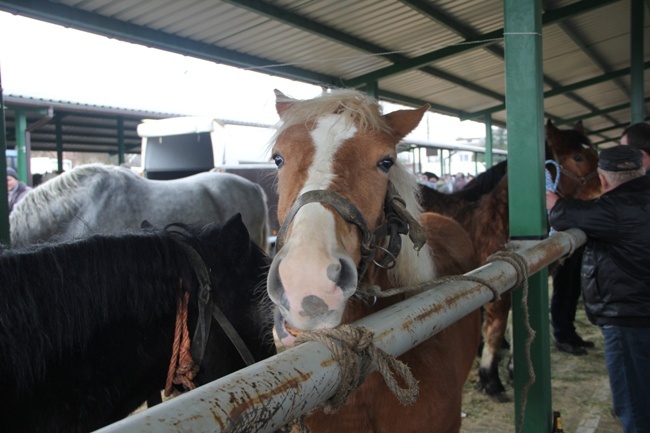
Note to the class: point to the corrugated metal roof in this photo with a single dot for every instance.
(336, 42)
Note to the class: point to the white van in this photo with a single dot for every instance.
(181, 146)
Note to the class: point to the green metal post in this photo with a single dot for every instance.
(4, 202)
(636, 60)
(525, 114)
(488, 141)
(21, 144)
(372, 89)
(120, 140)
(59, 143)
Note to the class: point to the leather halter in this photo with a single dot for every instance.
(581, 180)
(397, 221)
(207, 308)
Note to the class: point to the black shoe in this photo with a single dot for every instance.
(573, 349)
(578, 341)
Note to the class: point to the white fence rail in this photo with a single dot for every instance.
(271, 393)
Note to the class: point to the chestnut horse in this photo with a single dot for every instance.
(337, 160)
(486, 219)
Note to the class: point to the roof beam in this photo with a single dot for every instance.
(596, 113)
(560, 90)
(467, 32)
(316, 28)
(471, 43)
(98, 24)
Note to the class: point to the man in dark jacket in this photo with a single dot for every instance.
(616, 275)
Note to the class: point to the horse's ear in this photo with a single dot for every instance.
(579, 127)
(146, 225)
(282, 102)
(234, 232)
(550, 128)
(404, 121)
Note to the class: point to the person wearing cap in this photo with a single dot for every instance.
(16, 190)
(638, 135)
(616, 275)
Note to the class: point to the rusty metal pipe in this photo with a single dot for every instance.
(271, 393)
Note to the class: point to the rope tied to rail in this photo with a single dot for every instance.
(354, 350)
(518, 262)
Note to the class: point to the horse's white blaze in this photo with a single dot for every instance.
(311, 258)
(328, 136)
(311, 250)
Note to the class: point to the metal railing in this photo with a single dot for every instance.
(271, 393)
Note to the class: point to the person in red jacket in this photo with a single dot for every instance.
(616, 275)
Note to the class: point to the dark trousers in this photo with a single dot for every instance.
(564, 300)
(627, 353)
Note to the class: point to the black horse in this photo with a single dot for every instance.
(87, 327)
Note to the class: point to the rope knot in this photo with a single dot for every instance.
(354, 350)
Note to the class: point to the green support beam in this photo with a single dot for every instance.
(4, 199)
(636, 60)
(120, 140)
(59, 144)
(561, 90)
(21, 145)
(523, 45)
(488, 142)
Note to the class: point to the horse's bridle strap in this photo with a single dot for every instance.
(347, 210)
(208, 309)
(398, 221)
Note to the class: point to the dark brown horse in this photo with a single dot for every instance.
(482, 210)
(337, 161)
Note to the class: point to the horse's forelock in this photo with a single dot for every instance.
(355, 106)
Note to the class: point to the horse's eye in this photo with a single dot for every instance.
(385, 164)
(279, 161)
(577, 158)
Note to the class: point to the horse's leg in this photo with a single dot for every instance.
(494, 328)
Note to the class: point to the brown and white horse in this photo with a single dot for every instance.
(482, 210)
(337, 160)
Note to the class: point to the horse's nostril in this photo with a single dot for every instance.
(347, 277)
(333, 272)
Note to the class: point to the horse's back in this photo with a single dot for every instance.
(111, 200)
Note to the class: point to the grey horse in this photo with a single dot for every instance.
(98, 198)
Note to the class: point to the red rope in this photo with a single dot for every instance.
(182, 369)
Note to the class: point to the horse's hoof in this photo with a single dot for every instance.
(494, 390)
(501, 397)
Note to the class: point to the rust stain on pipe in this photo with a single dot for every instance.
(246, 404)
